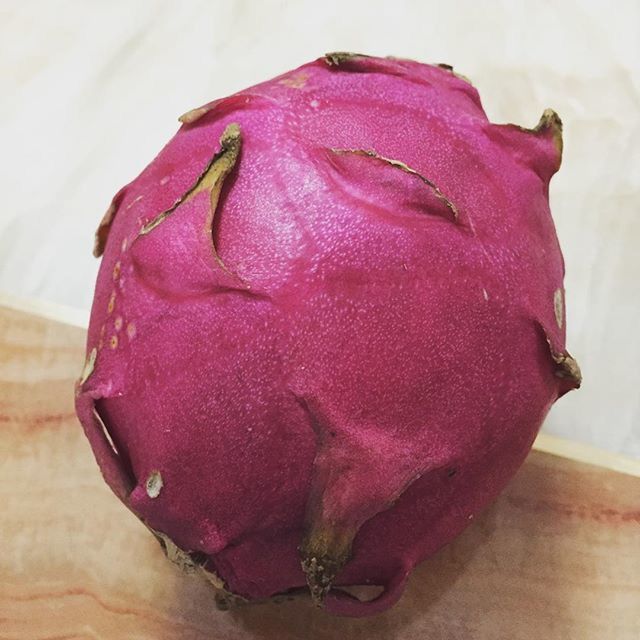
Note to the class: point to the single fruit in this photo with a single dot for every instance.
(328, 324)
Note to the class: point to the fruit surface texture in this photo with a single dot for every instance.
(328, 324)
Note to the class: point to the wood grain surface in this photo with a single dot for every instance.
(557, 556)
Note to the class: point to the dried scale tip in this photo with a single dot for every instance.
(550, 122)
(336, 58)
(451, 70)
(550, 126)
(182, 559)
(398, 164)
(320, 573)
(194, 114)
(102, 233)
(193, 564)
(568, 369)
(210, 179)
(88, 366)
(296, 435)
(324, 552)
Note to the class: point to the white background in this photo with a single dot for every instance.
(90, 91)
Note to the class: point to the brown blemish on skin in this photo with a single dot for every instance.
(558, 306)
(398, 164)
(296, 81)
(112, 302)
(113, 342)
(88, 366)
(154, 484)
(116, 270)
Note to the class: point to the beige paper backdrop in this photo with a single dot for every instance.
(90, 91)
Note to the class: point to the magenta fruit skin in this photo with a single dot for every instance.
(328, 324)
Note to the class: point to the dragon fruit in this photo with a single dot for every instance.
(328, 324)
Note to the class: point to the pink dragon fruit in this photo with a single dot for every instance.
(328, 324)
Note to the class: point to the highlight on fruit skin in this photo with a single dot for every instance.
(328, 324)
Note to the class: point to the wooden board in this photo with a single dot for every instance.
(557, 556)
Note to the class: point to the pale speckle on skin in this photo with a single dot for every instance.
(311, 184)
(315, 104)
(558, 306)
(296, 81)
(118, 323)
(131, 330)
(133, 202)
(113, 342)
(165, 180)
(485, 295)
(123, 246)
(154, 484)
(112, 302)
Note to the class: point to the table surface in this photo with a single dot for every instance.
(556, 556)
